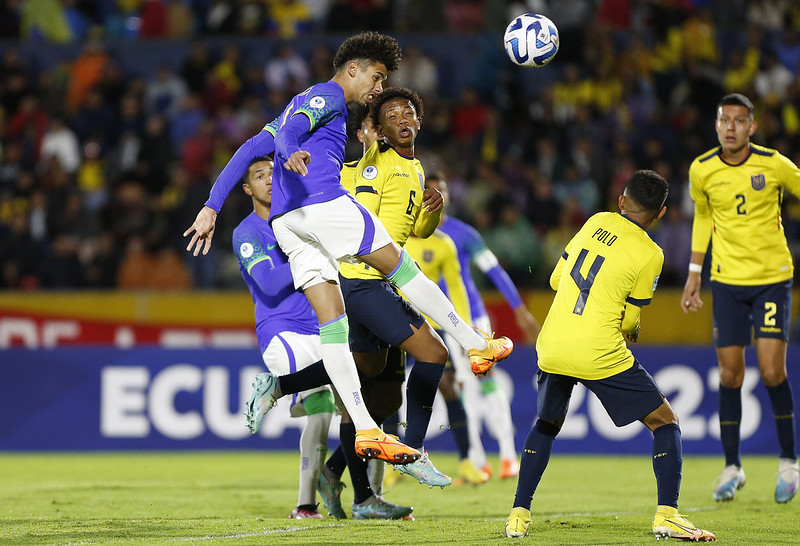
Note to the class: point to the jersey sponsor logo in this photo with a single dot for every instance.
(246, 250)
(758, 181)
(655, 282)
(317, 102)
(370, 172)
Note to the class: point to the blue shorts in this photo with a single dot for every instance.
(627, 396)
(741, 311)
(378, 316)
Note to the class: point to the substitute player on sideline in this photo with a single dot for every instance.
(285, 326)
(317, 224)
(608, 271)
(737, 190)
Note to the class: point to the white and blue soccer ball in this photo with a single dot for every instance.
(531, 40)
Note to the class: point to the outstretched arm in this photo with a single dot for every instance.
(202, 229)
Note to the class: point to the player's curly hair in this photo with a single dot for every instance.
(369, 46)
(394, 93)
(649, 189)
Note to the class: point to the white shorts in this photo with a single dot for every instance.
(317, 237)
(289, 352)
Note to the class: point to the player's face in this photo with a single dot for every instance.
(734, 127)
(367, 134)
(399, 122)
(259, 180)
(368, 81)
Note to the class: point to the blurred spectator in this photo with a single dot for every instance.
(289, 18)
(286, 71)
(419, 72)
(674, 236)
(516, 244)
(196, 66)
(60, 143)
(28, 127)
(155, 155)
(45, 20)
(772, 80)
(767, 14)
(86, 72)
(22, 255)
(180, 20)
(155, 23)
(164, 94)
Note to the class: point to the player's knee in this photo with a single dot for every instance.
(319, 402)
(730, 378)
(547, 428)
(368, 364)
(773, 377)
(388, 403)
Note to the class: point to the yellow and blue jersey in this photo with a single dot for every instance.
(390, 186)
(738, 208)
(609, 268)
(437, 256)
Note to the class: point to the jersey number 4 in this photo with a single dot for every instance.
(584, 283)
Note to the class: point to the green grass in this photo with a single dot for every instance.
(245, 498)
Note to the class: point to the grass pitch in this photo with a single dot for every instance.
(246, 497)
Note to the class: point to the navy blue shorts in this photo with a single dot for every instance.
(741, 311)
(377, 315)
(627, 396)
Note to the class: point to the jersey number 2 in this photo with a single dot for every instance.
(740, 204)
(584, 283)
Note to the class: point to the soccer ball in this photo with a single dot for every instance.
(531, 40)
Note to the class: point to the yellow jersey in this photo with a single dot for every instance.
(438, 258)
(609, 269)
(738, 208)
(390, 186)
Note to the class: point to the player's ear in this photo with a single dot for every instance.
(662, 212)
(247, 189)
(753, 128)
(352, 68)
(621, 202)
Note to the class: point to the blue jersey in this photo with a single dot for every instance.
(471, 248)
(323, 134)
(468, 244)
(278, 306)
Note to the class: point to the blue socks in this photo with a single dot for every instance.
(730, 417)
(421, 387)
(667, 463)
(535, 456)
(783, 410)
(458, 425)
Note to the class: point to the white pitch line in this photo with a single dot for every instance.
(261, 534)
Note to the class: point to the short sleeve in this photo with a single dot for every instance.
(250, 247)
(645, 285)
(321, 105)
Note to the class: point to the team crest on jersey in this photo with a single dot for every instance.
(370, 172)
(758, 181)
(317, 102)
(427, 256)
(246, 250)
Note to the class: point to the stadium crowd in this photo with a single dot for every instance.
(102, 169)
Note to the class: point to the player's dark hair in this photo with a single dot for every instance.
(737, 99)
(369, 47)
(395, 93)
(356, 114)
(253, 162)
(648, 189)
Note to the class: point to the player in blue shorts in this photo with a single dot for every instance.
(738, 189)
(285, 326)
(483, 399)
(317, 224)
(608, 271)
